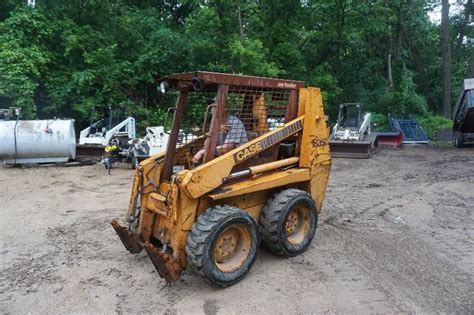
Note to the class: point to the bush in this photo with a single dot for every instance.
(404, 100)
(432, 124)
(379, 122)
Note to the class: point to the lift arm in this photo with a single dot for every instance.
(209, 176)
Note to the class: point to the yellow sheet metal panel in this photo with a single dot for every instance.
(314, 144)
(134, 195)
(259, 111)
(147, 219)
(319, 141)
(302, 97)
(255, 211)
(188, 210)
(249, 200)
(309, 121)
(156, 203)
(263, 182)
(318, 183)
(206, 177)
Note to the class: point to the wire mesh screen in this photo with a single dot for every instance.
(191, 135)
(249, 113)
(191, 127)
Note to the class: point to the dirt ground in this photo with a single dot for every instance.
(395, 235)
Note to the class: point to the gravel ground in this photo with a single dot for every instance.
(395, 236)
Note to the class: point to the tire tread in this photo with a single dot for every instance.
(271, 214)
(200, 236)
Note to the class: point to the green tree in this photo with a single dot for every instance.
(66, 56)
(23, 58)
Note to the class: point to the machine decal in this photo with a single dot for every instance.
(318, 142)
(272, 139)
(286, 85)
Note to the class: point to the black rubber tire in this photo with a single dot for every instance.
(203, 236)
(458, 139)
(273, 219)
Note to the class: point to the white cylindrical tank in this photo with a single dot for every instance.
(37, 141)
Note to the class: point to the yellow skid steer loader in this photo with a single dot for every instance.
(247, 161)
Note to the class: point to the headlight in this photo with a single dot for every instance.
(164, 87)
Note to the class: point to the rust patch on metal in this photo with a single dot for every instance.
(166, 266)
(211, 79)
(130, 240)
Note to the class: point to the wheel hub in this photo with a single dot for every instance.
(292, 221)
(226, 245)
(297, 224)
(232, 248)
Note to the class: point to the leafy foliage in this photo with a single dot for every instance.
(65, 57)
(379, 122)
(23, 59)
(432, 124)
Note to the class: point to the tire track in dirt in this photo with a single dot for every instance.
(395, 236)
(405, 269)
(407, 230)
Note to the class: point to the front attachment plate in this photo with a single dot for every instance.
(129, 239)
(164, 263)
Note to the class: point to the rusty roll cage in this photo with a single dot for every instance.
(209, 81)
(201, 81)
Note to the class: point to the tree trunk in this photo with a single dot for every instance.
(241, 28)
(390, 48)
(446, 59)
(399, 34)
(389, 72)
(462, 28)
(340, 27)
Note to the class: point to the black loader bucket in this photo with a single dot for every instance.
(354, 149)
